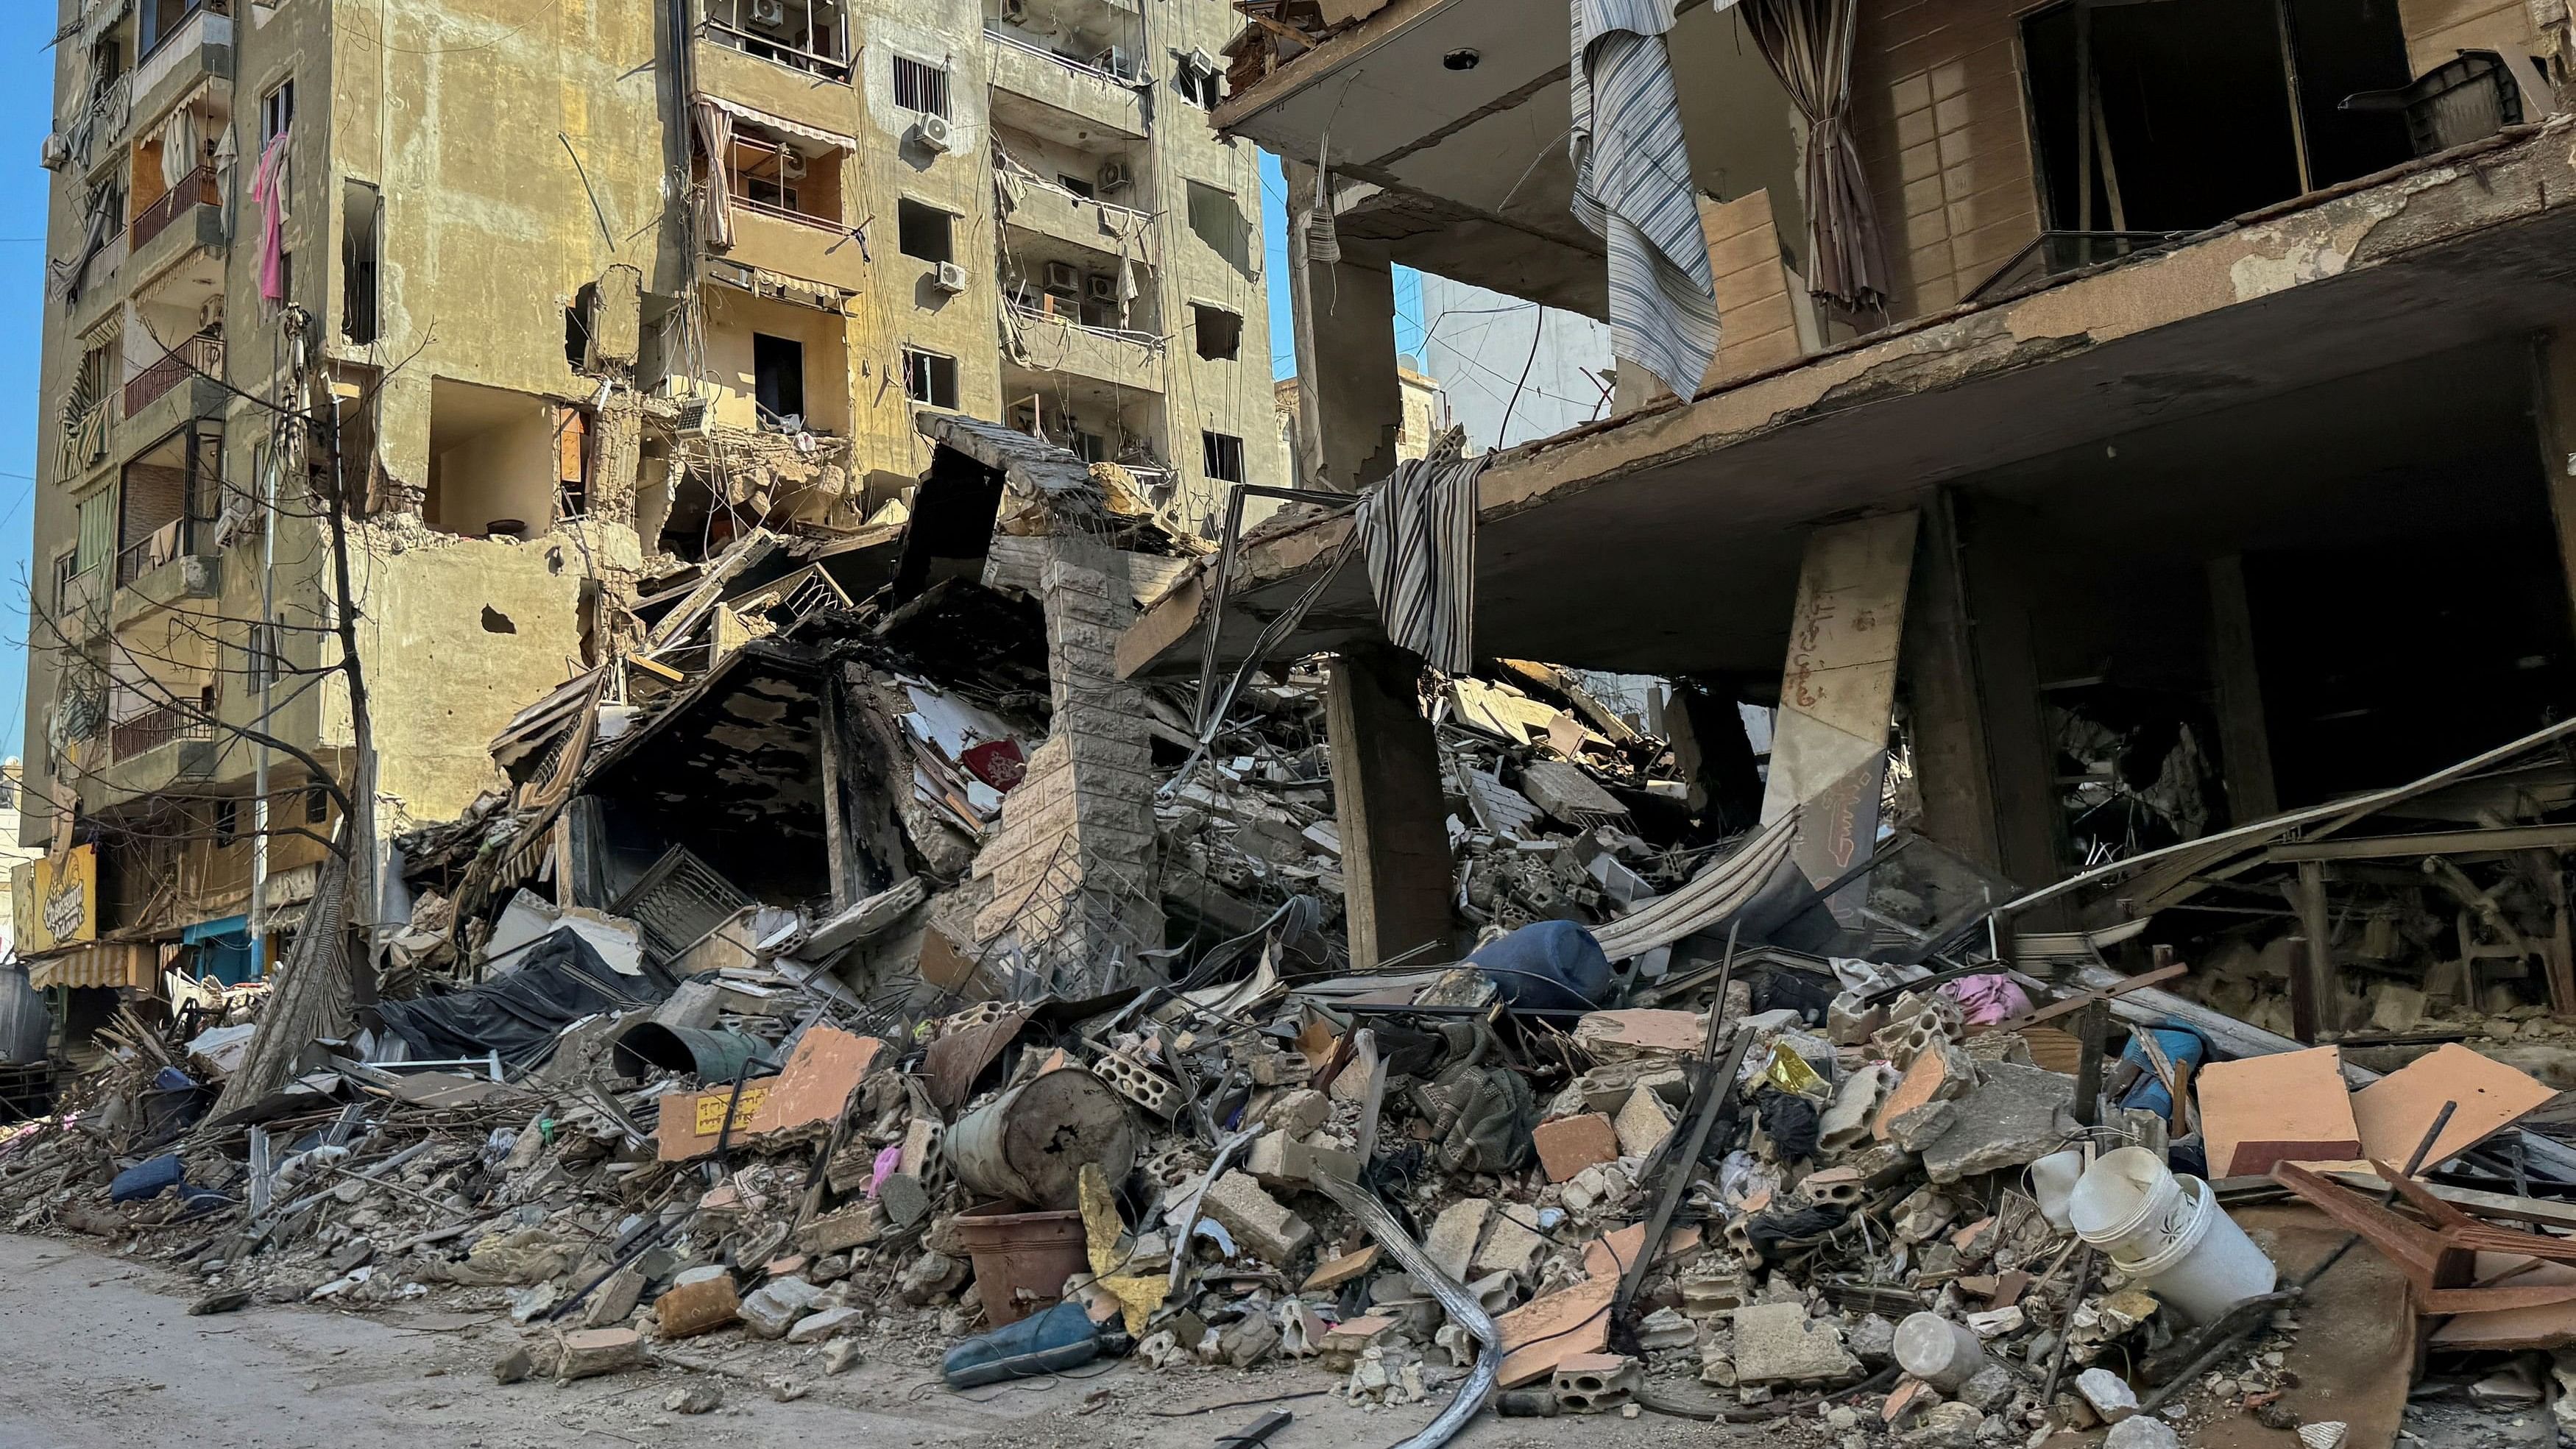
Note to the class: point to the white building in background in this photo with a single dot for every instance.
(1477, 343)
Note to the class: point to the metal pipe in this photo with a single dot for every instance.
(1460, 1304)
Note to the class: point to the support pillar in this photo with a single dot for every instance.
(1953, 767)
(2244, 738)
(1388, 806)
(1838, 691)
(2020, 762)
(1350, 405)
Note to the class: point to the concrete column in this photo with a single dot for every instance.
(2244, 738)
(2020, 761)
(1073, 865)
(1953, 768)
(1388, 806)
(1350, 405)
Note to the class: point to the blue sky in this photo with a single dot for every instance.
(27, 78)
(1274, 230)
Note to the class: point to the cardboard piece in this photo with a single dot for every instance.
(2394, 1112)
(2293, 1107)
(809, 1093)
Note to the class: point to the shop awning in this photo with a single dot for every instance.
(209, 930)
(107, 963)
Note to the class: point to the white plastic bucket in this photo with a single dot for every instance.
(2210, 1267)
(1940, 1351)
(2128, 1205)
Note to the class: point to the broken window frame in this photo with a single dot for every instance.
(276, 111)
(824, 52)
(1220, 456)
(908, 211)
(1200, 334)
(768, 399)
(926, 375)
(361, 252)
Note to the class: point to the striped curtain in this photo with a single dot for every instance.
(1809, 45)
(1419, 531)
(715, 137)
(1632, 188)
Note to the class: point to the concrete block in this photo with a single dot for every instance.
(1510, 1245)
(613, 1301)
(1940, 1073)
(692, 1308)
(2016, 1115)
(1595, 1383)
(1282, 1161)
(1259, 1224)
(1643, 1124)
(816, 1327)
(1777, 1343)
(589, 1352)
(1298, 1112)
(1455, 1233)
(838, 1232)
(1568, 1145)
(774, 1307)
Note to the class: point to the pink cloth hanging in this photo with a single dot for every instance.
(268, 192)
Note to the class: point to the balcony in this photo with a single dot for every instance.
(805, 94)
(197, 48)
(1037, 90)
(197, 357)
(150, 729)
(1109, 229)
(1042, 342)
(794, 244)
(188, 218)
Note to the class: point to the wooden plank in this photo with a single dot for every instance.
(2313, 1011)
(2076, 1003)
(2431, 842)
(2470, 1200)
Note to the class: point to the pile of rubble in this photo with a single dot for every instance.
(885, 978)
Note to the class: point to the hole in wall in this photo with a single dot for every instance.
(496, 622)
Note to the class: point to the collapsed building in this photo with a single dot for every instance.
(290, 278)
(1381, 935)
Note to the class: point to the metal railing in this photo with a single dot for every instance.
(831, 224)
(196, 355)
(1147, 340)
(149, 729)
(777, 52)
(998, 34)
(197, 188)
(164, 543)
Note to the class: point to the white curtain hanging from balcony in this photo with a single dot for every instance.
(715, 137)
(180, 148)
(815, 134)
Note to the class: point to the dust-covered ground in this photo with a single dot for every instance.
(98, 1350)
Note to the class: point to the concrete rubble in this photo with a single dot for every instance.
(790, 1105)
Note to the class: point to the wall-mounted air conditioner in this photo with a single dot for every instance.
(933, 131)
(950, 278)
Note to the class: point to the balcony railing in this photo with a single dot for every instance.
(196, 355)
(997, 34)
(1033, 316)
(154, 549)
(824, 223)
(151, 728)
(197, 188)
(830, 67)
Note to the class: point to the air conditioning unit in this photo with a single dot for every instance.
(1114, 176)
(1101, 287)
(1113, 60)
(933, 131)
(791, 163)
(695, 418)
(950, 278)
(1063, 277)
(1015, 11)
(769, 12)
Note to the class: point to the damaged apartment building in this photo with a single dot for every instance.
(565, 310)
(2130, 421)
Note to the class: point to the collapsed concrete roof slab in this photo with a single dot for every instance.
(1667, 540)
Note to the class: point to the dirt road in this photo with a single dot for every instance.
(99, 1351)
